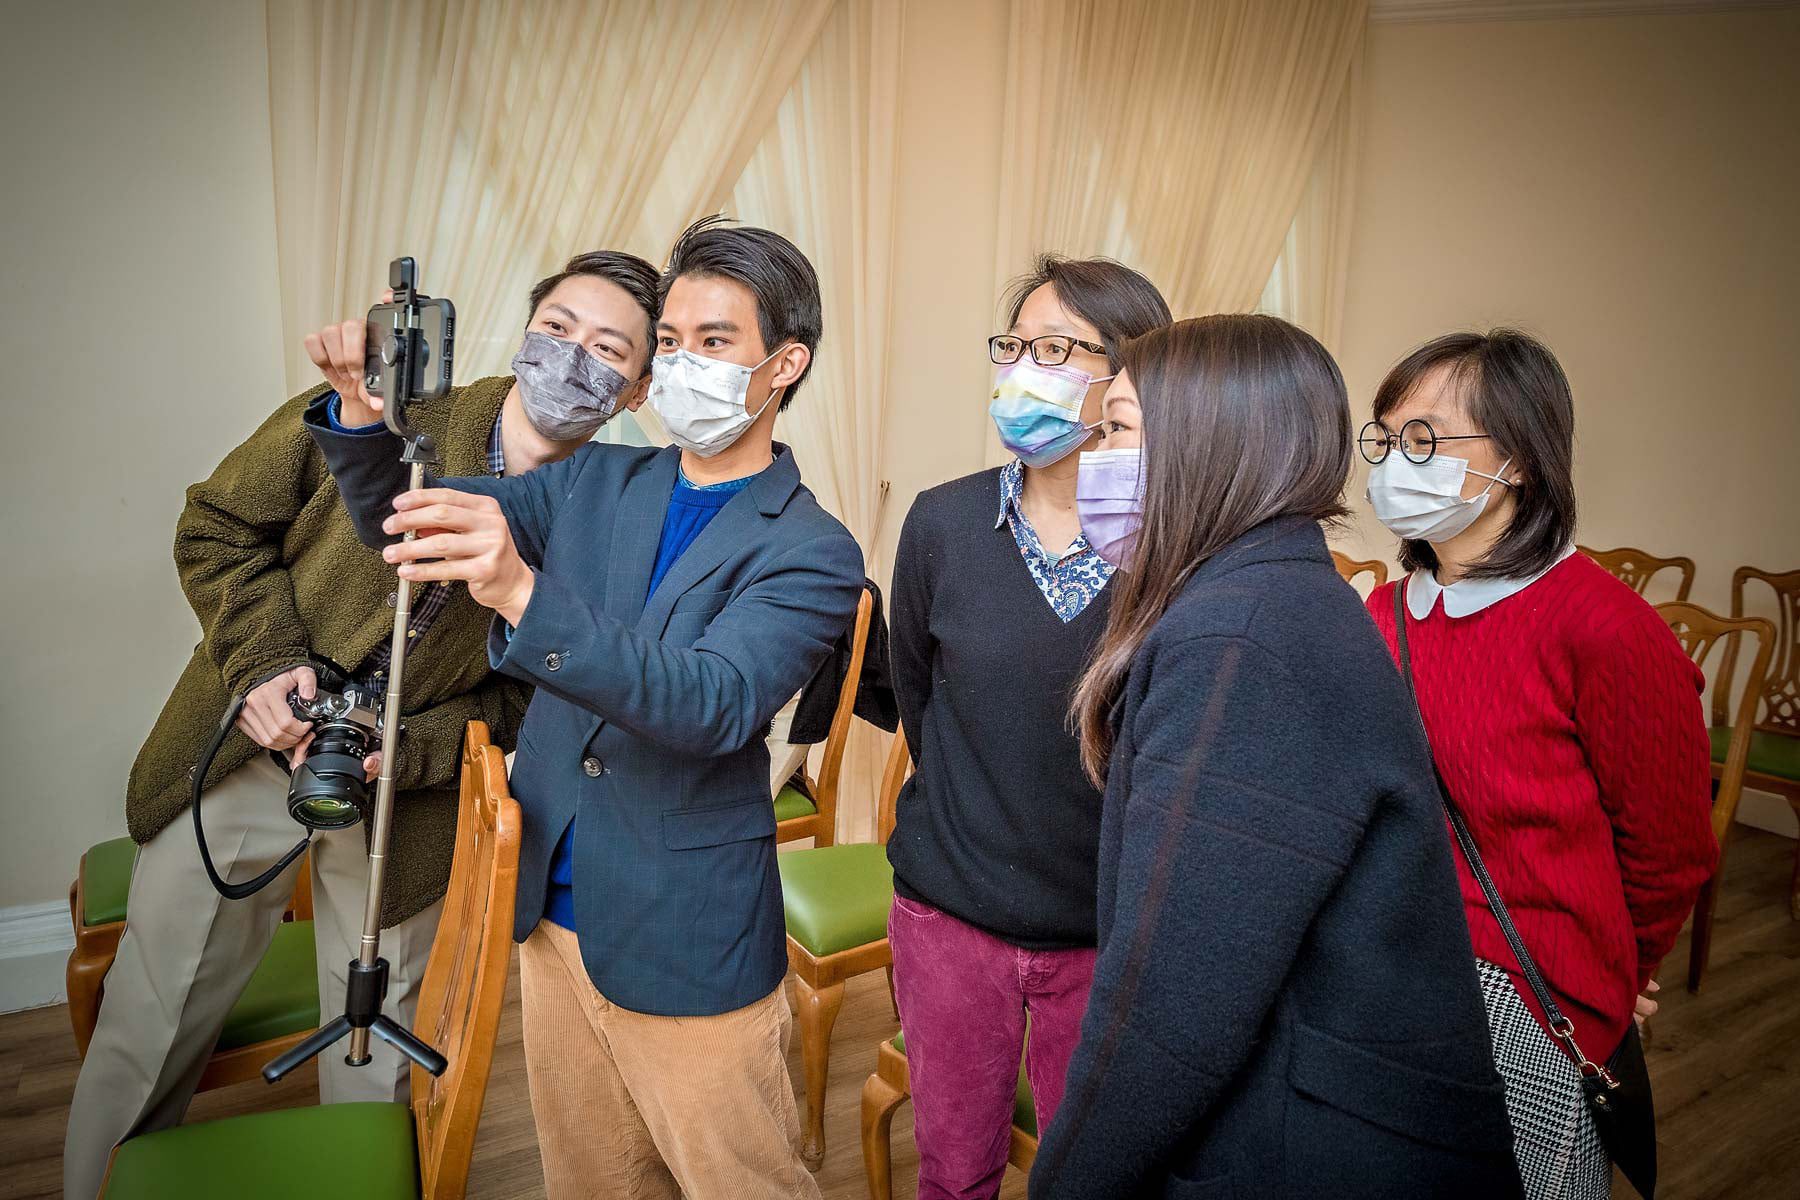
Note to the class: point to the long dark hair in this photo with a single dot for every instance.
(1245, 419)
(1117, 301)
(1514, 390)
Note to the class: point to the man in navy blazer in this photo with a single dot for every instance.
(665, 604)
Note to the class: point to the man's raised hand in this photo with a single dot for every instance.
(469, 538)
(337, 350)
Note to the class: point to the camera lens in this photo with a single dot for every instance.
(328, 790)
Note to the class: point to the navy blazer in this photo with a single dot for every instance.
(1285, 1002)
(650, 711)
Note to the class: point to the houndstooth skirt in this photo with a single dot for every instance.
(1558, 1149)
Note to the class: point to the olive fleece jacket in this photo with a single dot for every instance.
(276, 575)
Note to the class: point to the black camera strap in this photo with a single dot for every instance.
(225, 888)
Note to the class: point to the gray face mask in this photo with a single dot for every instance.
(568, 393)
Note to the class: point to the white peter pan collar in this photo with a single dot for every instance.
(1466, 596)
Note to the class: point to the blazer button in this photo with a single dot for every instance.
(393, 599)
(592, 767)
(552, 661)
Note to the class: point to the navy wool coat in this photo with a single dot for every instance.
(1285, 1002)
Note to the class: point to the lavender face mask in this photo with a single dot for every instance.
(1109, 500)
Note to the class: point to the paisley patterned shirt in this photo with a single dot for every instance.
(1069, 583)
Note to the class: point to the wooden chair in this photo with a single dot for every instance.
(797, 816)
(374, 1151)
(1774, 761)
(837, 900)
(1637, 568)
(1350, 568)
(1700, 633)
(891, 1084)
(279, 1007)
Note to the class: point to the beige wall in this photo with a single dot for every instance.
(1628, 189)
(952, 101)
(138, 322)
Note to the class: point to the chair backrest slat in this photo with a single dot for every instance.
(831, 766)
(464, 987)
(1638, 567)
(1778, 711)
(1700, 633)
(893, 775)
(1350, 568)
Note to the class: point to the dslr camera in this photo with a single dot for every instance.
(328, 790)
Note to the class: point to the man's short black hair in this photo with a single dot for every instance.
(630, 272)
(781, 279)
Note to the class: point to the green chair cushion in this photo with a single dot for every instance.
(1770, 753)
(366, 1151)
(836, 897)
(106, 880)
(791, 802)
(1024, 1111)
(282, 996)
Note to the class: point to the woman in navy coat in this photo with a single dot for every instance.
(1286, 1002)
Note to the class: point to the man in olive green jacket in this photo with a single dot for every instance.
(276, 575)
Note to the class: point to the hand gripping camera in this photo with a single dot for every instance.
(328, 789)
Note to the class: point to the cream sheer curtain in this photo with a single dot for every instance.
(491, 140)
(1178, 138)
(824, 176)
(1307, 284)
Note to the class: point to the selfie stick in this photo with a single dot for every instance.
(400, 352)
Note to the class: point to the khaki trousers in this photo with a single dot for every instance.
(187, 953)
(642, 1107)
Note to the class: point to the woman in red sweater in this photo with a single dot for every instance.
(1563, 714)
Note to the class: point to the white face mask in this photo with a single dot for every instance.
(1424, 502)
(701, 401)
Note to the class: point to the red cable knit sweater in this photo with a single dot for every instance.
(1566, 720)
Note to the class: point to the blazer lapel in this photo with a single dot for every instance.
(636, 530)
(766, 496)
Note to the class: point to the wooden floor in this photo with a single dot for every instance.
(1726, 1065)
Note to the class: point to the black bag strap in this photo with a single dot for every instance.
(1560, 1025)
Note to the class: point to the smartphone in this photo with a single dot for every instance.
(431, 368)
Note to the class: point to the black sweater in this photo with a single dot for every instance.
(1285, 1003)
(998, 827)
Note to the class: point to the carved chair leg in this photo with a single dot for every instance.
(84, 979)
(818, 1013)
(1794, 889)
(1700, 937)
(879, 1100)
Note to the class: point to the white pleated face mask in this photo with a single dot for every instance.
(701, 401)
(1424, 501)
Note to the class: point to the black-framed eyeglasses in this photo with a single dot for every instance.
(1050, 351)
(1417, 440)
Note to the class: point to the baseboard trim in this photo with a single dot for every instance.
(1767, 811)
(35, 940)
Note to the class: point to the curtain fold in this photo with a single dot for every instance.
(823, 175)
(1307, 284)
(1177, 138)
(492, 140)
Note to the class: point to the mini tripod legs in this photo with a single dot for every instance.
(362, 1010)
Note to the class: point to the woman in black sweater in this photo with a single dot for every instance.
(997, 601)
(1285, 1002)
